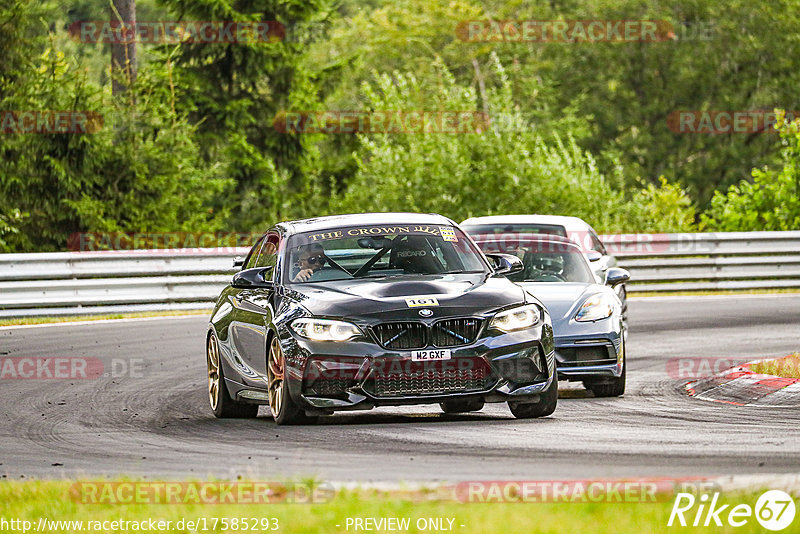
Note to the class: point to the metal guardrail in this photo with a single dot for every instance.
(709, 244)
(708, 261)
(68, 283)
(116, 264)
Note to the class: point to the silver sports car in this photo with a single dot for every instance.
(588, 324)
(578, 230)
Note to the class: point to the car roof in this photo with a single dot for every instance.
(354, 219)
(561, 220)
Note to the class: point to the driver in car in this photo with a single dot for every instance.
(311, 259)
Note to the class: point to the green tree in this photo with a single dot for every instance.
(771, 201)
(513, 170)
(666, 208)
(136, 170)
(234, 90)
(721, 55)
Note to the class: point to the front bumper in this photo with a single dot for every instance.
(589, 356)
(497, 367)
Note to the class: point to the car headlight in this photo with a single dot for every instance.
(517, 318)
(325, 329)
(596, 307)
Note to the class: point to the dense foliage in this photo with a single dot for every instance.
(510, 168)
(584, 130)
(771, 201)
(137, 170)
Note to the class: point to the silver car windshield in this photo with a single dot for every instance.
(545, 259)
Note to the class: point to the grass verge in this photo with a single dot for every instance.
(787, 367)
(52, 500)
(75, 318)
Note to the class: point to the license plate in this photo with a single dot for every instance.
(431, 355)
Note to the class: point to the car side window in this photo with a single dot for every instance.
(597, 245)
(250, 262)
(269, 252)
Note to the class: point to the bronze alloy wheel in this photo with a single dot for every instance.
(218, 396)
(212, 360)
(276, 369)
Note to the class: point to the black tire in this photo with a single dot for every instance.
(223, 406)
(546, 405)
(461, 406)
(281, 405)
(614, 387)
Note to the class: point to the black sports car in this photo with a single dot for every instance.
(356, 311)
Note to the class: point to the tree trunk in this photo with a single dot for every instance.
(123, 51)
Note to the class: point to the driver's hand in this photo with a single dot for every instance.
(303, 276)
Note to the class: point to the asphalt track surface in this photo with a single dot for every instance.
(157, 423)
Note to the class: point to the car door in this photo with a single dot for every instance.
(253, 310)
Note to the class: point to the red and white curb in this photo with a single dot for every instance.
(742, 387)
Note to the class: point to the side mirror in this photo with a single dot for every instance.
(593, 255)
(238, 261)
(616, 276)
(505, 264)
(253, 278)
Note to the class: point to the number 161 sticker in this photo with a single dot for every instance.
(418, 302)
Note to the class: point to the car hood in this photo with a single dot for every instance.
(379, 298)
(562, 299)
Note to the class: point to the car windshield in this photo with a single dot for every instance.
(546, 259)
(479, 231)
(380, 251)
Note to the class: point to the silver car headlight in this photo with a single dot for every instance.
(324, 329)
(596, 307)
(517, 318)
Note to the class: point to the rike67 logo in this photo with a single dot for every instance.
(774, 510)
